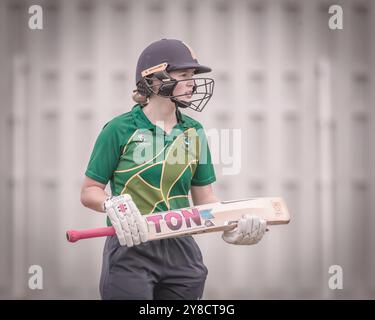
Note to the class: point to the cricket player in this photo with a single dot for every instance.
(136, 153)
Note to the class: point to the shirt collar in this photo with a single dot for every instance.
(140, 118)
(144, 123)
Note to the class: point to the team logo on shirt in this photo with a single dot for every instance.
(141, 138)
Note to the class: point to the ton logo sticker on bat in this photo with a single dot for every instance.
(180, 219)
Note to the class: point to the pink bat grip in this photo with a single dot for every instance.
(75, 235)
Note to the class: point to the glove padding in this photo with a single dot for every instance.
(131, 228)
(250, 230)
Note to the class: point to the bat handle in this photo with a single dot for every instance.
(75, 235)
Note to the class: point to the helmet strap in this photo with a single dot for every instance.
(180, 103)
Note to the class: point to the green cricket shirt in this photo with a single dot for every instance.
(157, 169)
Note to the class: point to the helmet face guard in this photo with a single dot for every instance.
(202, 92)
(200, 95)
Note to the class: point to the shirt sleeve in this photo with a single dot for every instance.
(205, 172)
(105, 155)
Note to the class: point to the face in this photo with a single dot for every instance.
(184, 88)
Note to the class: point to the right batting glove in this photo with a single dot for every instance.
(131, 228)
(250, 230)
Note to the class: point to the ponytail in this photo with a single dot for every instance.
(138, 98)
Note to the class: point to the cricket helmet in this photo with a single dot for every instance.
(163, 56)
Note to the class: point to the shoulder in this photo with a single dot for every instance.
(122, 124)
(119, 129)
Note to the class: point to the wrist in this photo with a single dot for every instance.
(107, 203)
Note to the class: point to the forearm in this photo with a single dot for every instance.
(203, 195)
(205, 199)
(93, 198)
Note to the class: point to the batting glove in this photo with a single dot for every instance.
(131, 227)
(250, 230)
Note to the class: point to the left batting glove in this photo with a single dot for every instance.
(250, 230)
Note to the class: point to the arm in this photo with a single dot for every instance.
(93, 194)
(203, 195)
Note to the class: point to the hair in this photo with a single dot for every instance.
(138, 98)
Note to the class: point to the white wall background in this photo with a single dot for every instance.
(300, 93)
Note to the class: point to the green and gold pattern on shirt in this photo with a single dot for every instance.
(156, 173)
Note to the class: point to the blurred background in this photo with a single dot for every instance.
(299, 92)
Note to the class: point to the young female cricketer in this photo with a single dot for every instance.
(136, 153)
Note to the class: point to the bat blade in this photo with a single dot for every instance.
(201, 219)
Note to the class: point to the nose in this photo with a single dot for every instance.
(190, 83)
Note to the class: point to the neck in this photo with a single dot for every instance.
(161, 110)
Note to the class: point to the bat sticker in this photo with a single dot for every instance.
(209, 223)
(206, 214)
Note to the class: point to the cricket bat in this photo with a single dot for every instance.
(206, 218)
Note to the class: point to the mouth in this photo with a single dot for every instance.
(188, 94)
